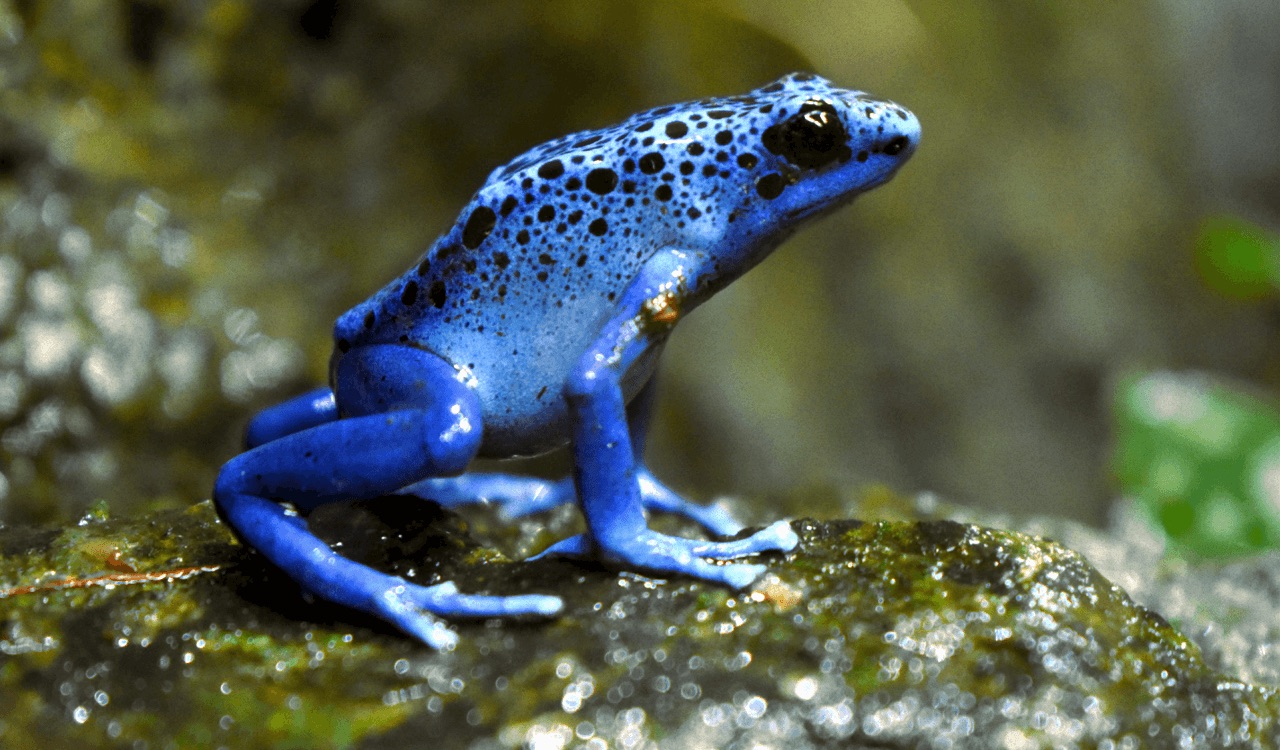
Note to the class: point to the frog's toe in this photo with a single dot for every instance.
(658, 553)
(414, 609)
(777, 537)
(656, 496)
(715, 518)
(444, 599)
(737, 576)
(521, 605)
(397, 607)
(652, 552)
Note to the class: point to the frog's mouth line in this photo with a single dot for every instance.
(796, 214)
(831, 204)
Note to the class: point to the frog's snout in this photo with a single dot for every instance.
(901, 134)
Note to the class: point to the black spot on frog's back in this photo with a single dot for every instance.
(479, 224)
(409, 295)
(438, 294)
(652, 163)
(602, 181)
(551, 169)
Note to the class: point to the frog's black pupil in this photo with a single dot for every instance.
(810, 138)
(895, 146)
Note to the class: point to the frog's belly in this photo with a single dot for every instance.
(520, 378)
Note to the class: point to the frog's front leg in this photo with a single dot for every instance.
(405, 417)
(520, 496)
(605, 468)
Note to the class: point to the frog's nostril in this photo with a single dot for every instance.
(896, 145)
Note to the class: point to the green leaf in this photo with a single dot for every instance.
(1202, 460)
(1238, 258)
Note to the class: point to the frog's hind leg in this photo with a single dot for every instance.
(520, 496)
(426, 424)
(308, 410)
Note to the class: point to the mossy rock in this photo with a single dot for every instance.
(894, 634)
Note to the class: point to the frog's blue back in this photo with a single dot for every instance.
(516, 290)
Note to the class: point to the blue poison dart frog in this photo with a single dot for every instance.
(536, 321)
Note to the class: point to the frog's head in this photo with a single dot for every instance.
(727, 176)
(818, 146)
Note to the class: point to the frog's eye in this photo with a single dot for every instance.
(811, 138)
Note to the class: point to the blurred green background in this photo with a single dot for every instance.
(191, 192)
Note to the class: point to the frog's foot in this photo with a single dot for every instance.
(320, 571)
(519, 496)
(659, 553)
(412, 608)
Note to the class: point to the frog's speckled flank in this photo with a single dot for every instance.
(539, 315)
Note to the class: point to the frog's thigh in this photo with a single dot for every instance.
(360, 457)
(297, 414)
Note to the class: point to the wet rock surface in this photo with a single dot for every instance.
(886, 634)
